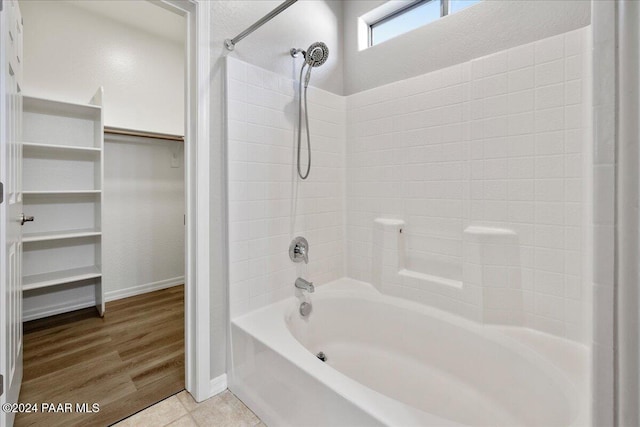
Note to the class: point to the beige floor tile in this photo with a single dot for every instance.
(187, 400)
(185, 421)
(224, 410)
(242, 408)
(159, 414)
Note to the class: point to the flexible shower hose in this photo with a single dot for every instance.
(306, 117)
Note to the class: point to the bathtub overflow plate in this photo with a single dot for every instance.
(305, 309)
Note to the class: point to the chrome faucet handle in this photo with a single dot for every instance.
(299, 250)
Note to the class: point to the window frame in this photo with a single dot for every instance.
(444, 11)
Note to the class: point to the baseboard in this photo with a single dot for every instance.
(47, 311)
(143, 289)
(218, 385)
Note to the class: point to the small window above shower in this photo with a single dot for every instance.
(398, 17)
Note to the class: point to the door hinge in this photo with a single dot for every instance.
(1, 188)
(1, 376)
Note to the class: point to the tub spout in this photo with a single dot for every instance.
(304, 285)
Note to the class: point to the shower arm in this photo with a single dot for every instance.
(231, 43)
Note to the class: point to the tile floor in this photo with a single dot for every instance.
(180, 410)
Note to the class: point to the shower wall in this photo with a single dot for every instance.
(499, 141)
(267, 205)
(268, 47)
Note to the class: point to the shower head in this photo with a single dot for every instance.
(317, 54)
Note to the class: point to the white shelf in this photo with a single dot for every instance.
(59, 235)
(60, 147)
(60, 192)
(60, 108)
(44, 280)
(63, 174)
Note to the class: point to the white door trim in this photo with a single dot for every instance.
(197, 237)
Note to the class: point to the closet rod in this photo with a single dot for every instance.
(143, 134)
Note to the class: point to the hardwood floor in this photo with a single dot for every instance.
(126, 361)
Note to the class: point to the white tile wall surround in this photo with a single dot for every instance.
(496, 142)
(499, 141)
(268, 204)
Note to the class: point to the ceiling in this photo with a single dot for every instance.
(139, 14)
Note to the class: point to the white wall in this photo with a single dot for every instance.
(303, 23)
(488, 27)
(69, 52)
(268, 204)
(499, 141)
(143, 224)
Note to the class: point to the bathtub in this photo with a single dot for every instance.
(393, 362)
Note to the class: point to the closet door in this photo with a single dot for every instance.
(11, 218)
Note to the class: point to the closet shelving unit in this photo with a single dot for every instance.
(63, 175)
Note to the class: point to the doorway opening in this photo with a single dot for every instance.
(113, 188)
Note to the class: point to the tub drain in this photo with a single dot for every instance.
(322, 356)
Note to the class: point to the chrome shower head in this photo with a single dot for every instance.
(317, 54)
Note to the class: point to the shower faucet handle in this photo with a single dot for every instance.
(299, 250)
(302, 251)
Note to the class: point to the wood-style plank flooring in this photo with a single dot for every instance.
(126, 361)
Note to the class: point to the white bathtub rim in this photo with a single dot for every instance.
(500, 335)
(359, 395)
(363, 290)
(259, 324)
(354, 392)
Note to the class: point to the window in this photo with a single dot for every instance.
(412, 16)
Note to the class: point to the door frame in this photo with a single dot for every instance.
(197, 233)
(197, 14)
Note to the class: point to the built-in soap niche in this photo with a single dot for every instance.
(492, 262)
(489, 289)
(390, 269)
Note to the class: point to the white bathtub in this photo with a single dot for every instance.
(396, 363)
